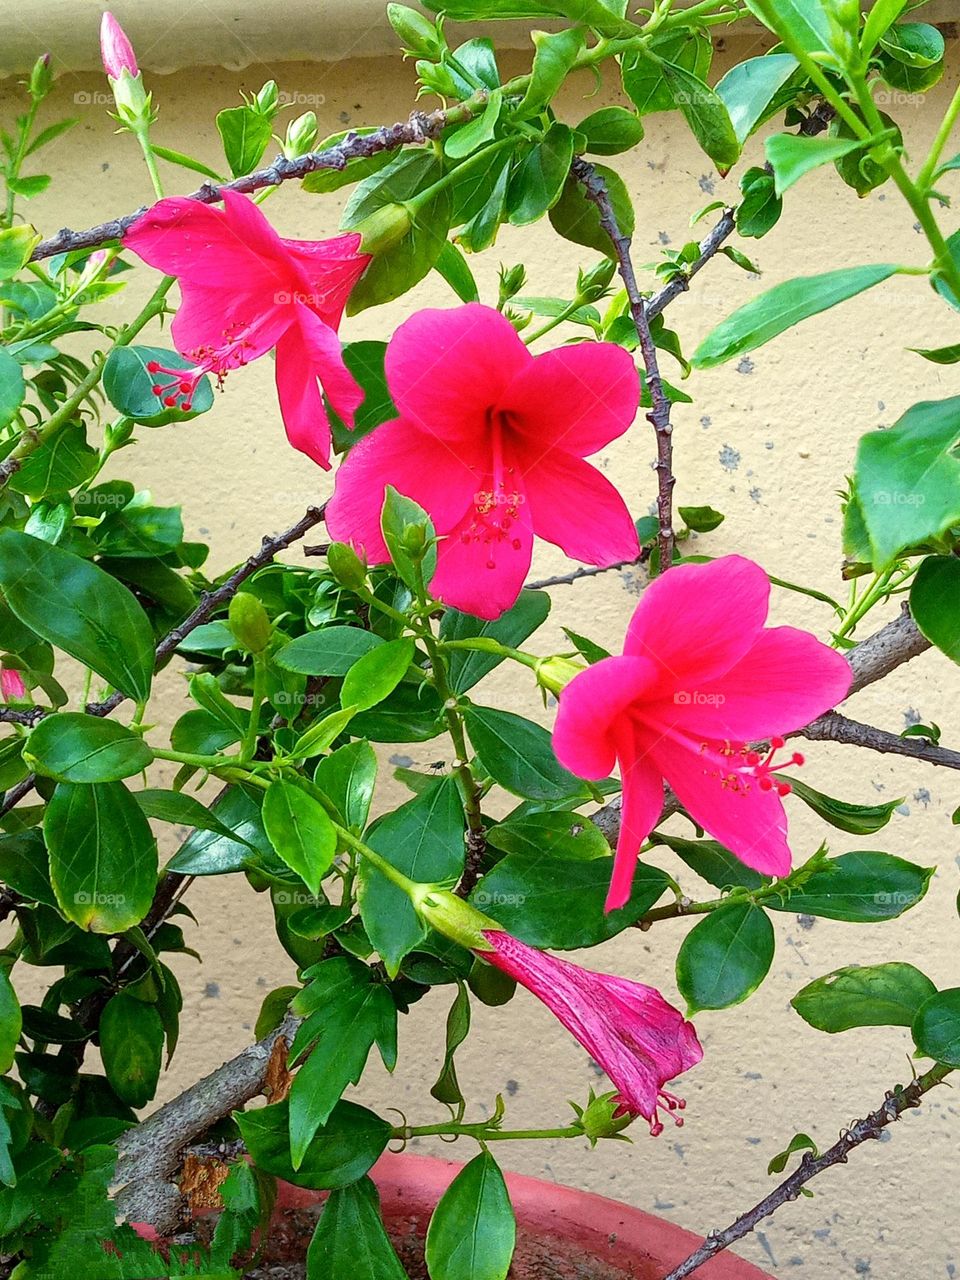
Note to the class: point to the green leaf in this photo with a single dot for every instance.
(936, 1028)
(447, 1087)
(346, 1013)
(11, 1021)
(410, 537)
(128, 385)
(881, 16)
(706, 114)
(859, 887)
(73, 747)
(131, 1046)
(592, 13)
(472, 1232)
(185, 162)
(539, 175)
(804, 22)
(210, 850)
(13, 389)
(914, 44)
(643, 79)
(468, 667)
(481, 229)
(331, 651)
(57, 465)
(578, 219)
(791, 156)
(424, 839)
(74, 605)
(453, 266)
(245, 133)
(182, 810)
(611, 130)
(701, 519)
(759, 210)
(412, 713)
(907, 479)
(940, 355)
(910, 80)
(374, 676)
(935, 603)
(518, 754)
(858, 819)
(799, 1142)
(350, 1239)
(477, 132)
(712, 862)
(365, 361)
(555, 901)
(725, 957)
(347, 777)
(782, 307)
(16, 245)
(322, 181)
(103, 857)
(554, 57)
(555, 833)
(341, 1152)
(879, 995)
(749, 88)
(300, 830)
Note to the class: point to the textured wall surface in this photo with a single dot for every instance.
(768, 441)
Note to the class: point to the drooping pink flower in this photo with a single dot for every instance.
(639, 1039)
(116, 51)
(490, 441)
(11, 684)
(246, 290)
(700, 679)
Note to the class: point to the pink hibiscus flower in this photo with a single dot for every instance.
(699, 680)
(246, 290)
(491, 441)
(639, 1039)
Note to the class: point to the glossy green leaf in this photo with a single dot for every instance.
(915, 44)
(331, 651)
(881, 16)
(181, 809)
(129, 386)
(365, 362)
(611, 130)
(879, 995)
(410, 537)
(858, 819)
(350, 1239)
(347, 777)
(322, 181)
(77, 607)
(803, 22)
(555, 833)
(424, 839)
(376, 674)
(748, 89)
(11, 1021)
(73, 747)
(245, 133)
(300, 830)
(936, 1028)
(725, 957)
(792, 156)
(477, 132)
(103, 857)
(554, 56)
(592, 13)
(643, 79)
(554, 901)
(578, 219)
(712, 862)
(341, 1152)
(539, 175)
(131, 1046)
(935, 603)
(782, 307)
(859, 887)
(453, 266)
(13, 389)
(446, 1088)
(468, 667)
(706, 114)
(940, 355)
(759, 210)
(57, 465)
(701, 519)
(907, 479)
(232, 838)
(472, 1232)
(518, 754)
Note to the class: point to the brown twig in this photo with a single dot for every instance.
(872, 1126)
(834, 727)
(659, 416)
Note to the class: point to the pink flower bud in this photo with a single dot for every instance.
(116, 51)
(11, 684)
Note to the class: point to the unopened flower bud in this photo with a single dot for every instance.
(453, 917)
(599, 1119)
(346, 566)
(383, 228)
(436, 78)
(512, 280)
(554, 674)
(249, 622)
(301, 135)
(268, 99)
(41, 78)
(418, 33)
(593, 284)
(116, 51)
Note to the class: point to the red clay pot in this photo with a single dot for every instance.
(562, 1234)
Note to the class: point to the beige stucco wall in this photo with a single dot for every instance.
(768, 441)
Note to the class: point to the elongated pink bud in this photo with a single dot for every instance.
(116, 51)
(11, 684)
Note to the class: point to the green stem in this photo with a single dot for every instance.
(925, 176)
(13, 172)
(570, 309)
(417, 202)
(32, 440)
(469, 788)
(483, 1133)
(142, 135)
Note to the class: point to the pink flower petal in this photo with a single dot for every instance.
(575, 398)
(747, 820)
(575, 507)
(786, 680)
(442, 480)
(585, 730)
(301, 407)
(696, 621)
(331, 267)
(480, 573)
(446, 369)
(640, 813)
(323, 350)
(233, 325)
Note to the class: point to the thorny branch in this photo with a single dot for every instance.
(659, 415)
(895, 1104)
(834, 727)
